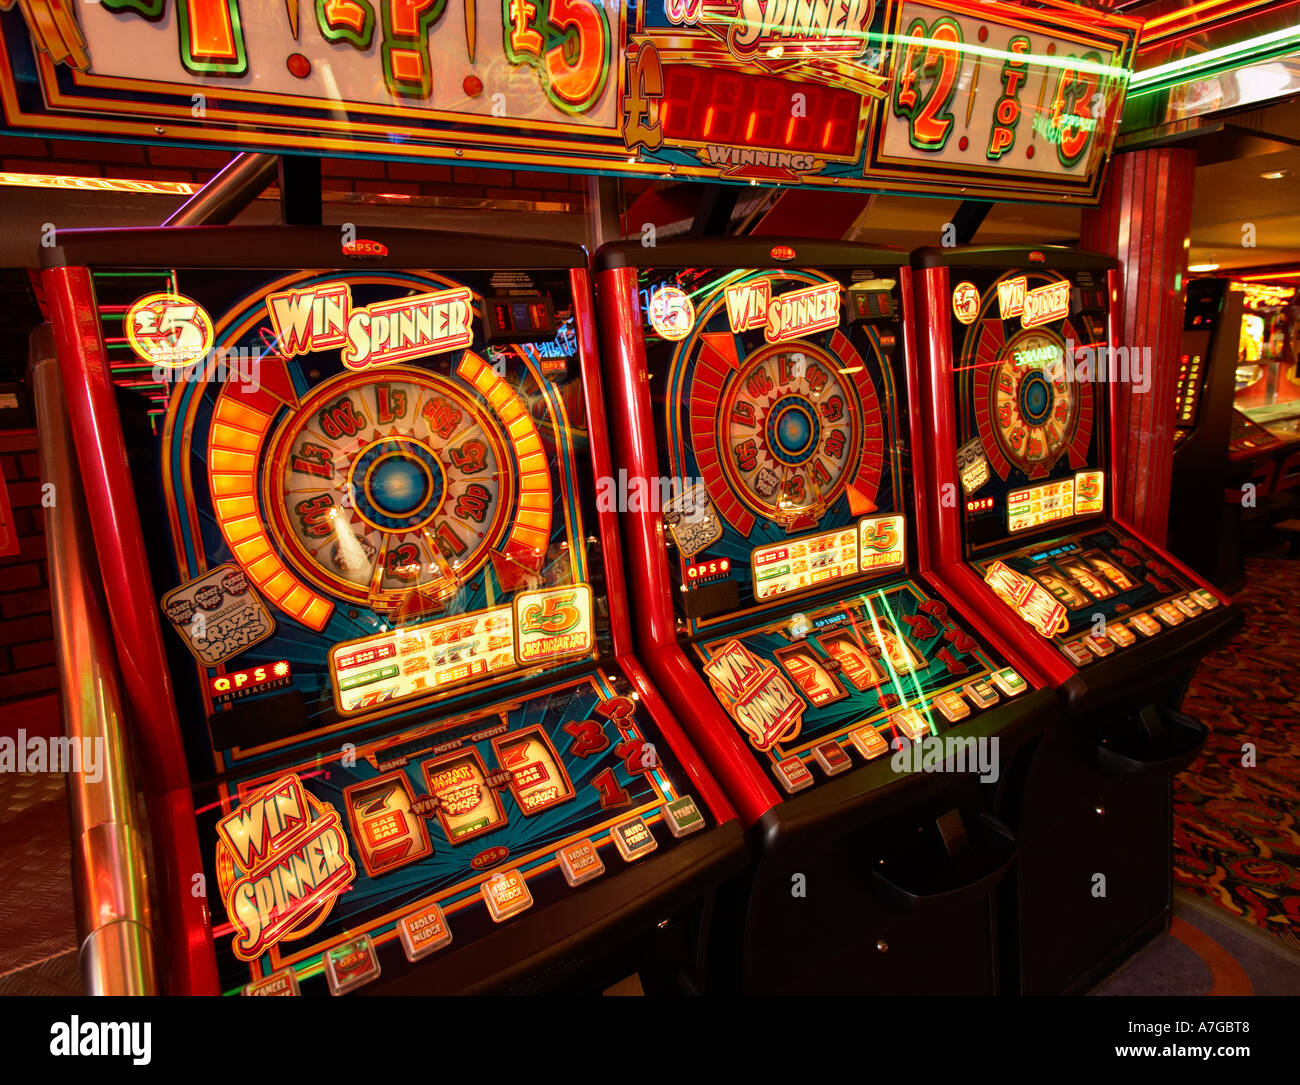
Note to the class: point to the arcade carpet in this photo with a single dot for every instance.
(1237, 825)
(38, 936)
(1206, 951)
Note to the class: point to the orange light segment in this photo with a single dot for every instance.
(316, 614)
(231, 508)
(245, 528)
(237, 434)
(532, 525)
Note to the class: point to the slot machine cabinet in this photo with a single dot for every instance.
(1266, 422)
(1204, 521)
(764, 421)
(371, 620)
(1026, 445)
(1207, 361)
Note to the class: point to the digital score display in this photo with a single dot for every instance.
(519, 318)
(713, 105)
(1032, 507)
(875, 546)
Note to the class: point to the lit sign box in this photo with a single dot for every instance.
(989, 99)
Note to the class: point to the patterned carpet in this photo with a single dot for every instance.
(1206, 951)
(38, 936)
(1237, 807)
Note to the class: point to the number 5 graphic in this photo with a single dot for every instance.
(557, 615)
(882, 536)
(168, 330)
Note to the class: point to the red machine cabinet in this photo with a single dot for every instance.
(816, 802)
(194, 772)
(1017, 376)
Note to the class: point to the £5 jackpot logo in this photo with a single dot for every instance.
(168, 330)
(558, 615)
(965, 302)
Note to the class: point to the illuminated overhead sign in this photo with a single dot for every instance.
(1262, 296)
(990, 99)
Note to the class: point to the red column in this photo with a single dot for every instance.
(1143, 220)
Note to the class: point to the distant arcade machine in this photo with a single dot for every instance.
(1238, 417)
(1213, 441)
(1267, 382)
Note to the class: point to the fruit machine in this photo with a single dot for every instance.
(373, 616)
(1023, 388)
(1232, 374)
(1205, 491)
(1266, 423)
(1206, 362)
(765, 440)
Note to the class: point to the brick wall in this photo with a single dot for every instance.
(27, 666)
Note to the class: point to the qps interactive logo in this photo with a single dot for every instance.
(364, 249)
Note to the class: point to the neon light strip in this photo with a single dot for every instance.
(1189, 13)
(1179, 71)
(1268, 277)
(1222, 20)
(100, 184)
(1043, 59)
